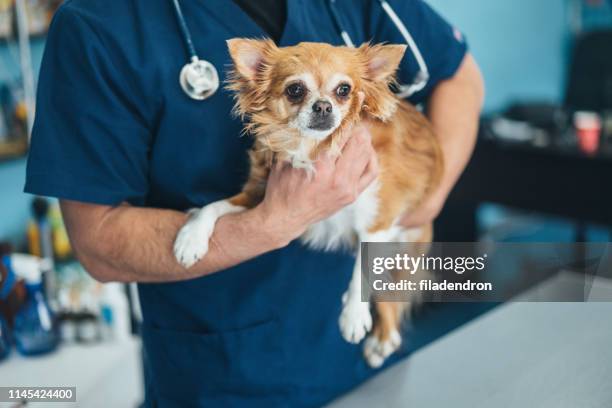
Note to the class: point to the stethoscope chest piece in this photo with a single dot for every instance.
(199, 79)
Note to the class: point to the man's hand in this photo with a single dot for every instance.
(127, 244)
(454, 110)
(294, 199)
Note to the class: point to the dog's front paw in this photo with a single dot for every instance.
(355, 320)
(191, 242)
(376, 350)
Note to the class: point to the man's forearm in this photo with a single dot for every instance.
(129, 244)
(454, 110)
(135, 244)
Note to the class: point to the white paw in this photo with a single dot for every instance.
(376, 351)
(355, 320)
(191, 242)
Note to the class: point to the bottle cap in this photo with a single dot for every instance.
(28, 267)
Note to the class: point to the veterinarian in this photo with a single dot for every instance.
(127, 151)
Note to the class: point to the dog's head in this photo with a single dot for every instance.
(311, 90)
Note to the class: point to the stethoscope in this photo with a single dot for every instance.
(200, 79)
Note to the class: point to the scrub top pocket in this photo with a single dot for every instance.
(192, 369)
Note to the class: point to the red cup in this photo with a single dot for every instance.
(588, 131)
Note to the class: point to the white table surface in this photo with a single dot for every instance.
(105, 375)
(523, 355)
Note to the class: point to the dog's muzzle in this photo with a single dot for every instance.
(322, 117)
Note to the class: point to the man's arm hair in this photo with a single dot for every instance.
(454, 110)
(129, 244)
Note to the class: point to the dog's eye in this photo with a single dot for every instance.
(295, 92)
(343, 90)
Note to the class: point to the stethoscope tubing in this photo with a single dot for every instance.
(421, 78)
(188, 40)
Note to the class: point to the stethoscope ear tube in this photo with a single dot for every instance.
(422, 77)
(199, 79)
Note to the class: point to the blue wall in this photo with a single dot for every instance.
(520, 45)
(14, 204)
(9, 58)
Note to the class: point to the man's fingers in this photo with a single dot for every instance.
(344, 138)
(372, 166)
(355, 154)
(277, 163)
(369, 174)
(278, 168)
(347, 154)
(365, 181)
(357, 133)
(361, 162)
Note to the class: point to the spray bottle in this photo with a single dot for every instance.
(35, 327)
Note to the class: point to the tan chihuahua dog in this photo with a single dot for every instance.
(298, 102)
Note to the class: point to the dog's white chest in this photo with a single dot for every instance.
(343, 228)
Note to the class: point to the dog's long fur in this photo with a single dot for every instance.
(409, 158)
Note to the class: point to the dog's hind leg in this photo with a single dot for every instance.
(386, 336)
(356, 318)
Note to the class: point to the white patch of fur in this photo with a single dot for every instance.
(306, 77)
(393, 234)
(342, 229)
(335, 80)
(412, 234)
(355, 320)
(376, 351)
(300, 157)
(301, 121)
(191, 243)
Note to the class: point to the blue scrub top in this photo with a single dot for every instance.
(113, 125)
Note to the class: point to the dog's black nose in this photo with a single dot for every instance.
(322, 108)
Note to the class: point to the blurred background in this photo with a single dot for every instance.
(541, 172)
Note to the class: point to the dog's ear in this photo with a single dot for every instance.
(381, 61)
(379, 65)
(249, 56)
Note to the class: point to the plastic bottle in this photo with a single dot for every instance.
(88, 319)
(34, 329)
(40, 210)
(115, 311)
(59, 235)
(12, 290)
